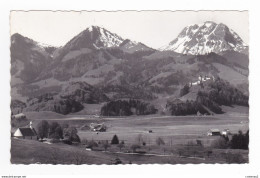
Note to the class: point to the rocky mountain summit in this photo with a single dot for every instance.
(200, 39)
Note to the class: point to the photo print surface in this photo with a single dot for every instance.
(129, 87)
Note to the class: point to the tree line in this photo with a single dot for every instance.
(239, 140)
(54, 130)
(225, 94)
(127, 108)
(181, 108)
(212, 96)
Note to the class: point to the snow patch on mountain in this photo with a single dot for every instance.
(109, 39)
(200, 39)
(133, 46)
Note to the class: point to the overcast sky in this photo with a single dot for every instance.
(152, 28)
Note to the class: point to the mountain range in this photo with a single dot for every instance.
(99, 60)
(200, 39)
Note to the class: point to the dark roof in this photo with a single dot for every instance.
(34, 131)
(27, 132)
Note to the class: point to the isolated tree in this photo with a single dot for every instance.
(58, 133)
(91, 144)
(120, 145)
(55, 130)
(53, 126)
(184, 90)
(43, 129)
(71, 134)
(115, 140)
(160, 141)
(209, 153)
(105, 145)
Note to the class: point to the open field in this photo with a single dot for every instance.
(176, 131)
(173, 129)
(33, 152)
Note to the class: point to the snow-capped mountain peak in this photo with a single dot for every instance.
(205, 38)
(95, 37)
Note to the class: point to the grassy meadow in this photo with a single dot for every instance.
(177, 132)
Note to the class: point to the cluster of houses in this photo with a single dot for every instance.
(28, 132)
(217, 132)
(202, 79)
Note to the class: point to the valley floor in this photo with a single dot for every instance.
(175, 131)
(33, 152)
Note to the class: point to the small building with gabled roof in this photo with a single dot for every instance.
(26, 133)
(214, 132)
(19, 116)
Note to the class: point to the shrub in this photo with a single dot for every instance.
(134, 147)
(106, 145)
(84, 141)
(220, 143)
(120, 145)
(54, 140)
(68, 142)
(78, 157)
(91, 144)
(209, 153)
(115, 140)
(117, 161)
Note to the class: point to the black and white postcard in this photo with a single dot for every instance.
(128, 87)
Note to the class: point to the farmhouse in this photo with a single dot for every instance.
(214, 132)
(19, 116)
(226, 132)
(98, 127)
(26, 133)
